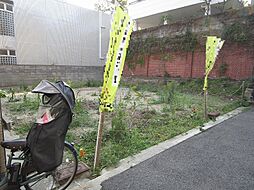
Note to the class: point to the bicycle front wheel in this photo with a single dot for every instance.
(61, 177)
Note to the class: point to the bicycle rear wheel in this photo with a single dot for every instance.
(61, 177)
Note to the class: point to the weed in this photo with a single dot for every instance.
(76, 84)
(223, 69)
(218, 87)
(12, 92)
(141, 60)
(82, 117)
(81, 84)
(237, 32)
(166, 108)
(166, 57)
(23, 128)
(92, 83)
(30, 104)
(166, 94)
(150, 87)
(2, 94)
(231, 106)
(24, 88)
(135, 128)
(119, 130)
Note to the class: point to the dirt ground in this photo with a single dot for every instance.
(139, 100)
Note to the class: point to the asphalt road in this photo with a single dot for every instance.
(221, 158)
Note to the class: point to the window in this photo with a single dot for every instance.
(12, 52)
(9, 7)
(2, 6)
(6, 23)
(7, 60)
(3, 52)
(6, 7)
(7, 52)
(7, 57)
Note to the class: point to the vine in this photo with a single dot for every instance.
(236, 32)
(223, 69)
(151, 45)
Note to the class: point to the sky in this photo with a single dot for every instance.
(148, 7)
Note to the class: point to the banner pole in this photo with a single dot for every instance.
(99, 140)
(121, 29)
(243, 92)
(205, 100)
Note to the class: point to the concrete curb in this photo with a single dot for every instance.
(222, 118)
(131, 161)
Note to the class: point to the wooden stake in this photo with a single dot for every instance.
(2, 150)
(243, 92)
(99, 140)
(205, 100)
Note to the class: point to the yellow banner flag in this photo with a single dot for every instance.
(213, 46)
(121, 29)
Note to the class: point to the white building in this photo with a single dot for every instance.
(7, 34)
(52, 32)
(150, 13)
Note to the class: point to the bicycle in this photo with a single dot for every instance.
(46, 159)
(22, 173)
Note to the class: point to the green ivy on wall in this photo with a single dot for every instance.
(139, 48)
(236, 32)
(239, 29)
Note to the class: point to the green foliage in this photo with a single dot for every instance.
(121, 141)
(166, 57)
(182, 105)
(93, 83)
(223, 69)
(218, 87)
(76, 84)
(237, 32)
(2, 94)
(24, 88)
(141, 60)
(81, 84)
(119, 125)
(150, 45)
(166, 18)
(150, 87)
(23, 128)
(12, 92)
(231, 106)
(82, 117)
(167, 93)
(30, 104)
(189, 41)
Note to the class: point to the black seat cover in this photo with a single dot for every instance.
(14, 145)
(45, 139)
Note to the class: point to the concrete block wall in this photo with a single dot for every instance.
(16, 75)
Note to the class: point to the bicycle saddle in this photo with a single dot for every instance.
(14, 145)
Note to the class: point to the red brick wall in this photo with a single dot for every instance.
(239, 58)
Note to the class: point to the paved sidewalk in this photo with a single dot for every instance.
(221, 158)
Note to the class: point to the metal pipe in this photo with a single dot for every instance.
(100, 35)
